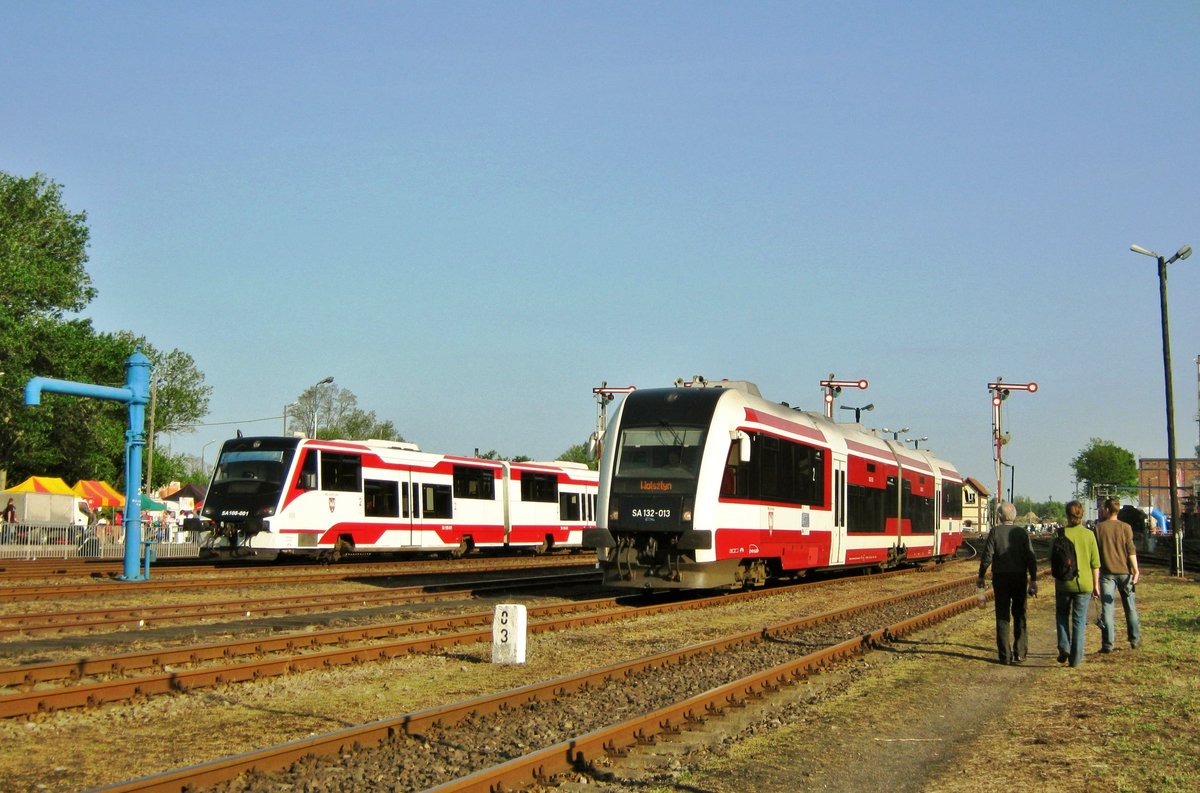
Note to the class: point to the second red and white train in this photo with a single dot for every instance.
(708, 485)
(300, 496)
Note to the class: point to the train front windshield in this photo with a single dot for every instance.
(661, 452)
(249, 478)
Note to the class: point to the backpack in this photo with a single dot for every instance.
(1063, 564)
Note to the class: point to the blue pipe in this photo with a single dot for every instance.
(136, 394)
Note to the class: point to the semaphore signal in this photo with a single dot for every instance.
(834, 387)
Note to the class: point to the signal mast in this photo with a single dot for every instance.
(1000, 391)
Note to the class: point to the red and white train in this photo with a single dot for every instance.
(708, 485)
(272, 495)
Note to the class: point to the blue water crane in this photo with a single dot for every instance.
(136, 394)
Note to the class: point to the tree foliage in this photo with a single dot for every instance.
(43, 278)
(1049, 511)
(579, 454)
(326, 411)
(43, 250)
(1103, 463)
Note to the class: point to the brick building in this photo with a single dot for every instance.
(1154, 482)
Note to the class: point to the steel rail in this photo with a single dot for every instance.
(26, 703)
(21, 569)
(176, 584)
(76, 669)
(561, 757)
(144, 616)
(613, 741)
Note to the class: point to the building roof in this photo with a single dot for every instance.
(975, 484)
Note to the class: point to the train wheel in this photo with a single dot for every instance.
(754, 574)
(341, 549)
(544, 548)
(463, 548)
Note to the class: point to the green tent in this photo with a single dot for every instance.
(150, 505)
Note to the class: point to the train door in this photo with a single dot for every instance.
(838, 535)
(404, 526)
(938, 528)
(433, 514)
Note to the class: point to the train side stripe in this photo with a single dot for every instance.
(766, 419)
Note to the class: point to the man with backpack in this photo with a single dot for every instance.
(1074, 584)
(1118, 573)
(1014, 574)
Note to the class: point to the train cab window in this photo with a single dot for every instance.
(539, 487)
(472, 482)
(341, 472)
(308, 471)
(663, 452)
(437, 501)
(569, 507)
(381, 499)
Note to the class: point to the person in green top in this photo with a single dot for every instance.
(1071, 598)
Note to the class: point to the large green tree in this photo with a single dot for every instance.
(1104, 464)
(43, 282)
(335, 413)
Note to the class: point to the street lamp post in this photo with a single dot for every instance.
(916, 442)
(317, 401)
(895, 433)
(859, 411)
(286, 408)
(1176, 529)
(204, 449)
(1012, 476)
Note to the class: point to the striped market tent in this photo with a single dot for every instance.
(98, 494)
(42, 484)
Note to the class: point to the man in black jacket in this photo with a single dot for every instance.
(1014, 575)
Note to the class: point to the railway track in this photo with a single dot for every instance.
(241, 579)
(528, 735)
(92, 620)
(223, 662)
(26, 569)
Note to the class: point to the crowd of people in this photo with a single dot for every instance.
(1104, 565)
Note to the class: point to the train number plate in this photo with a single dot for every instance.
(652, 514)
(653, 511)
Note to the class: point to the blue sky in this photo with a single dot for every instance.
(472, 213)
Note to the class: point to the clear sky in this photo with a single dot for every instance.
(470, 214)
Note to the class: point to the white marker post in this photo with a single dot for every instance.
(508, 634)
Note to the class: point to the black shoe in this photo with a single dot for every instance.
(1106, 650)
(1135, 645)
(1063, 656)
(1016, 661)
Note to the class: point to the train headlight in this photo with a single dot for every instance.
(265, 512)
(687, 516)
(614, 515)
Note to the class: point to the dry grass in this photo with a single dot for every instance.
(944, 718)
(78, 749)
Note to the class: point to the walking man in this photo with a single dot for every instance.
(1071, 597)
(1118, 573)
(1014, 575)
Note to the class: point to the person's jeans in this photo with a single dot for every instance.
(1110, 585)
(1070, 617)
